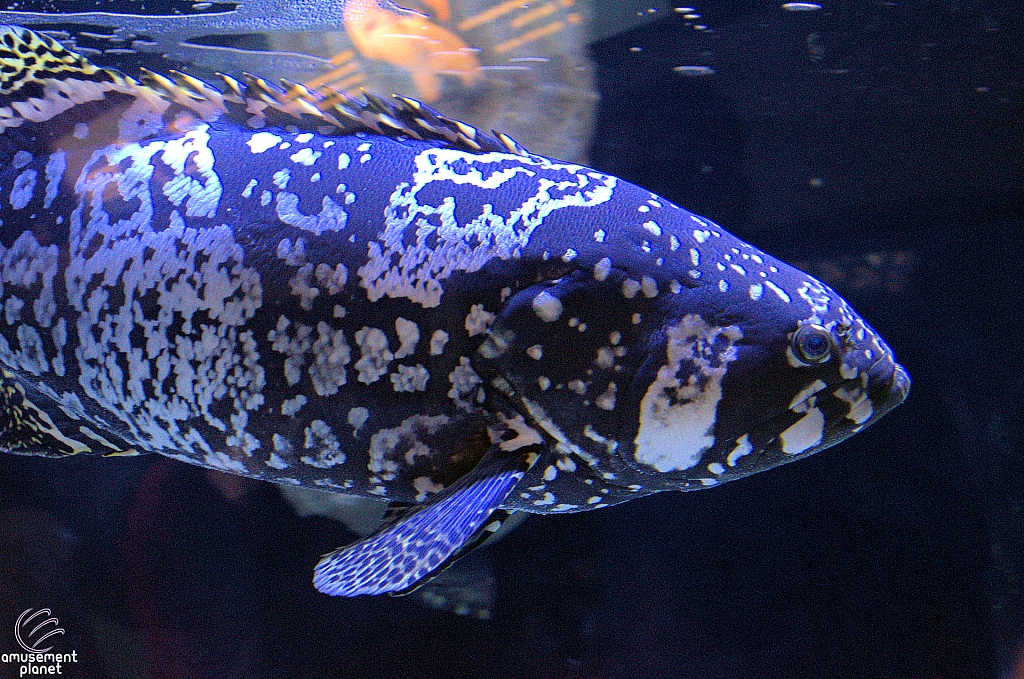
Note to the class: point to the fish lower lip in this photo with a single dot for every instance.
(901, 382)
(893, 392)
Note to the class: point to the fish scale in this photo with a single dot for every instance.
(370, 298)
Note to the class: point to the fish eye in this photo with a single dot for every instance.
(813, 344)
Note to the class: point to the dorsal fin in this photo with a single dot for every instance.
(40, 79)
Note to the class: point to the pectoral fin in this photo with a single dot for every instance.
(424, 541)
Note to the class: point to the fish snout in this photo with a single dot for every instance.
(888, 385)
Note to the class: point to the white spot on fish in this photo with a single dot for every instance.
(332, 217)
(602, 269)
(262, 141)
(779, 292)
(24, 185)
(653, 227)
(743, 447)
(292, 406)
(701, 236)
(357, 417)
(535, 352)
(281, 178)
(410, 378)
(331, 354)
(306, 156)
(677, 417)
(549, 499)
(375, 357)
(408, 337)
(275, 461)
(723, 285)
(756, 290)
(424, 485)
(388, 446)
(478, 320)
(803, 434)
(629, 288)
(861, 407)
(464, 381)
(247, 191)
(599, 235)
(55, 167)
(547, 307)
(437, 342)
(320, 440)
(606, 401)
(332, 281)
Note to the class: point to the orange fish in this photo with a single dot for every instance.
(413, 42)
(440, 7)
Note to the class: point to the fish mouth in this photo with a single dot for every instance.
(887, 391)
(887, 386)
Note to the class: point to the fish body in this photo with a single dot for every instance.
(371, 299)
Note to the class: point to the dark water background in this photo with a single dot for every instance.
(898, 553)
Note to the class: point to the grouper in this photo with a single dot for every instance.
(366, 297)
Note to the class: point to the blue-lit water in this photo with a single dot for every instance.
(878, 145)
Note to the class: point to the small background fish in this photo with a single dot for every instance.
(924, 537)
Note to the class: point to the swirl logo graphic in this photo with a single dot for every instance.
(32, 629)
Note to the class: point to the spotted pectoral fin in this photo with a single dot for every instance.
(404, 554)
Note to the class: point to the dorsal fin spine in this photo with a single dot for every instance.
(65, 79)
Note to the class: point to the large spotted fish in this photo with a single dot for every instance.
(372, 299)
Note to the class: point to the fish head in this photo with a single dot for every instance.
(686, 368)
(747, 372)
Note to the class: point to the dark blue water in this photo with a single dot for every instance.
(884, 155)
